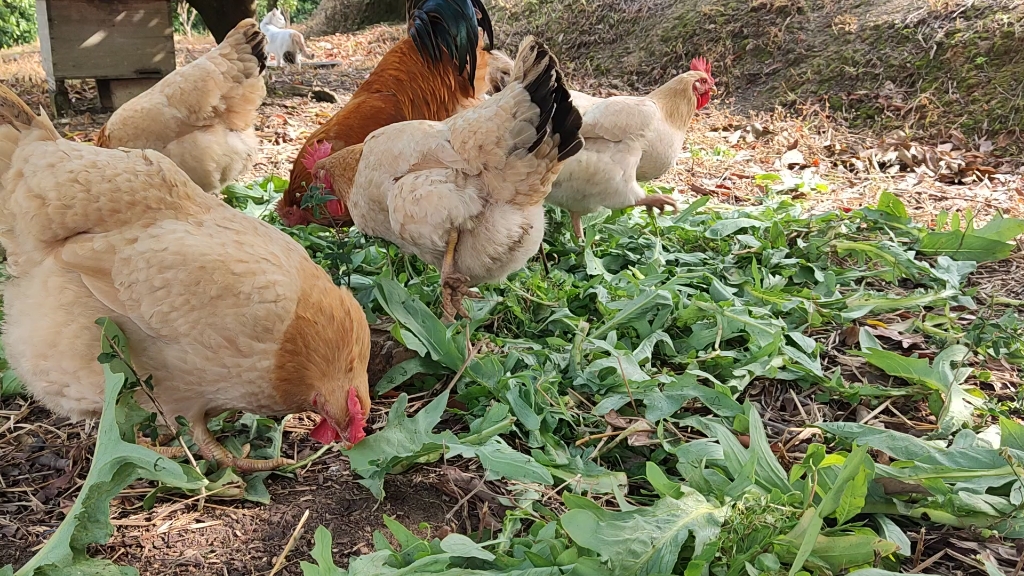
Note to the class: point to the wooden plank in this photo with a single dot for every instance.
(108, 39)
(44, 43)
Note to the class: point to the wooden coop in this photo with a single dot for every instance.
(125, 45)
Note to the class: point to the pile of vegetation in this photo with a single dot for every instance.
(931, 66)
(627, 402)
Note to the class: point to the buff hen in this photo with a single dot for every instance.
(91, 232)
(466, 194)
(201, 116)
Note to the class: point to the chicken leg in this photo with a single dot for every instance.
(454, 286)
(577, 224)
(210, 449)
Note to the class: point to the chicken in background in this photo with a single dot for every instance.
(499, 72)
(438, 70)
(91, 232)
(466, 194)
(630, 139)
(201, 115)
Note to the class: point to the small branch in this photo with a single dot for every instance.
(291, 543)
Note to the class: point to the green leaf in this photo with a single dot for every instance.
(322, 555)
(724, 228)
(405, 370)
(501, 461)
(115, 464)
(414, 316)
(964, 246)
(403, 441)
(646, 541)
(893, 533)
(661, 483)
(853, 495)
(1002, 229)
(1011, 434)
(11, 385)
(891, 204)
(463, 547)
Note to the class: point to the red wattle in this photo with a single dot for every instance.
(335, 207)
(356, 417)
(324, 433)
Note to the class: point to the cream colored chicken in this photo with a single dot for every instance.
(498, 72)
(465, 194)
(125, 234)
(629, 140)
(201, 115)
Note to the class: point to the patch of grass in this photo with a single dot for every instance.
(876, 65)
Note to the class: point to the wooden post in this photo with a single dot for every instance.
(125, 45)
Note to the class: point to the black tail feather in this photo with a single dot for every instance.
(437, 27)
(257, 42)
(547, 90)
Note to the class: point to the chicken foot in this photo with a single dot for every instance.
(661, 202)
(160, 445)
(210, 449)
(454, 286)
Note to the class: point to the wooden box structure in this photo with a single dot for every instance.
(125, 45)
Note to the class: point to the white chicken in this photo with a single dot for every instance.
(465, 194)
(201, 115)
(630, 139)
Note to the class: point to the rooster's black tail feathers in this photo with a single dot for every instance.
(450, 26)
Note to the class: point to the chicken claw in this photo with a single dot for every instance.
(210, 449)
(455, 287)
(160, 445)
(659, 201)
(172, 452)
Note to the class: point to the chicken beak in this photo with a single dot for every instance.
(713, 90)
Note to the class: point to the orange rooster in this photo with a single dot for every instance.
(438, 70)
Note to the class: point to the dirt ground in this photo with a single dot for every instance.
(44, 460)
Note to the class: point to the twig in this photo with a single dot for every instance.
(291, 543)
(1020, 564)
(307, 460)
(469, 358)
(920, 548)
(163, 415)
(626, 382)
(799, 406)
(583, 441)
(875, 412)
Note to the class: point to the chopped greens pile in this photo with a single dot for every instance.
(695, 394)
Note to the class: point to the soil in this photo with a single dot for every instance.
(43, 467)
(44, 460)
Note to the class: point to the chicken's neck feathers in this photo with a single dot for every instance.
(676, 101)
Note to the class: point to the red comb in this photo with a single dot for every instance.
(315, 153)
(701, 65)
(356, 417)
